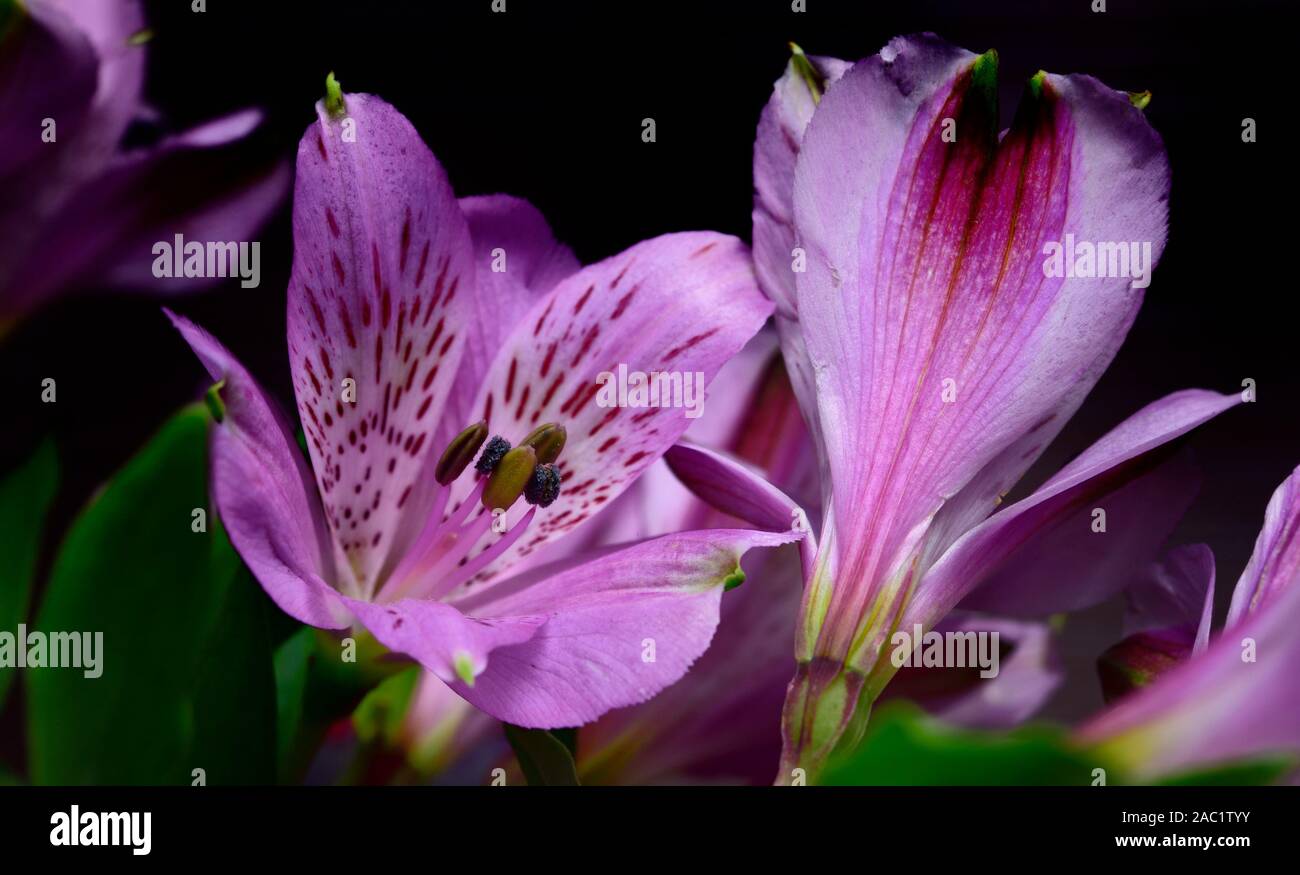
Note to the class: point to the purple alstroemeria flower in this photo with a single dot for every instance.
(76, 207)
(936, 350)
(1236, 697)
(688, 733)
(412, 315)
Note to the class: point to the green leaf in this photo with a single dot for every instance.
(25, 497)
(545, 757)
(903, 746)
(1257, 772)
(185, 661)
(235, 698)
(291, 662)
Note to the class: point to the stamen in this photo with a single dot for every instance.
(466, 572)
(493, 453)
(509, 479)
(460, 452)
(543, 487)
(548, 440)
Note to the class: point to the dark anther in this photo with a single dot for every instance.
(493, 453)
(543, 487)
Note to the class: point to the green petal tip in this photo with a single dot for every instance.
(334, 96)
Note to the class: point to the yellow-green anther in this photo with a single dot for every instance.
(1140, 99)
(548, 441)
(460, 452)
(509, 479)
(811, 76)
(334, 97)
(140, 37)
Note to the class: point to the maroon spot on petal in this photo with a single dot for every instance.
(451, 291)
(537, 329)
(405, 243)
(582, 302)
(405, 493)
(419, 271)
(374, 262)
(550, 356)
(338, 268)
(365, 312)
(310, 373)
(609, 442)
(332, 222)
(688, 343)
(428, 380)
(437, 332)
(424, 407)
(635, 457)
(623, 302)
(352, 437)
(447, 345)
(325, 363)
(510, 380)
(604, 420)
(385, 308)
(587, 340)
(487, 408)
(523, 402)
(550, 392)
(618, 279)
(316, 310)
(379, 357)
(347, 323)
(703, 249)
(320, 144)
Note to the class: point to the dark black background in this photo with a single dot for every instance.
(545, 102)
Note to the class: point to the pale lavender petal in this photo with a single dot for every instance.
(722, 721)
(939, 342)
(1275, 564)
(735, 488)
(1029, 671)
(382, 273)
(440, 637)
(1042, 555)
(681, 304)
(264, 492)
(517, 260)
(1174, 597)
(618, 628)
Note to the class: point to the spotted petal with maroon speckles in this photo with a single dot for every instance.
(400, 328)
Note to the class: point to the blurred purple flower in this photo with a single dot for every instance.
(77, 209)
(1236, 697)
